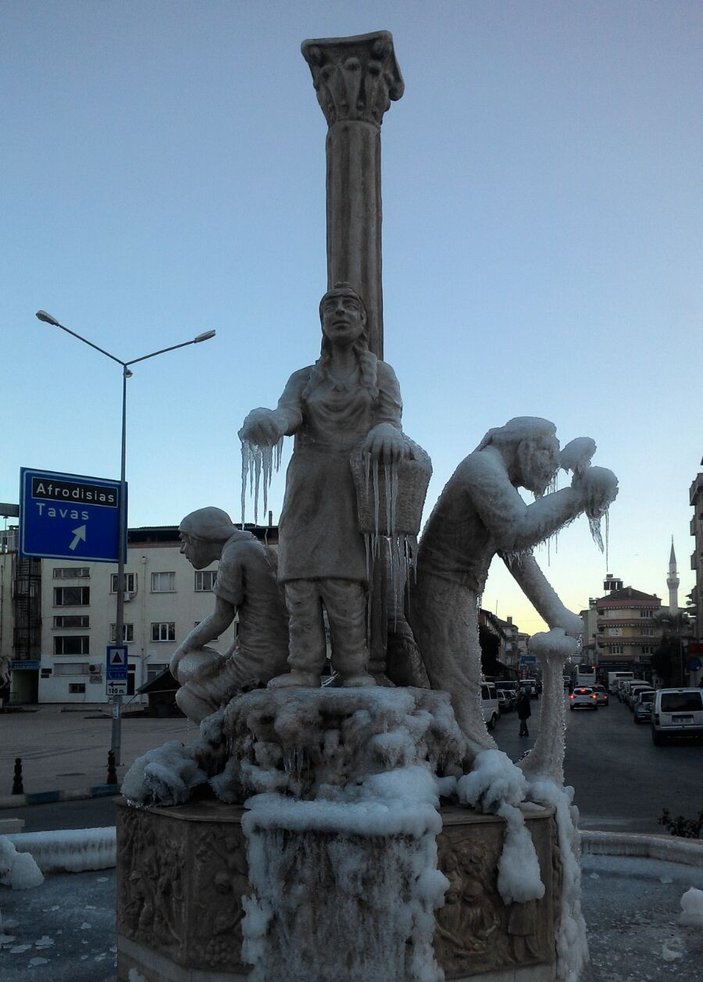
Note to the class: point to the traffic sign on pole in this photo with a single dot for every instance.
(68, 516)
(116, 687)
(116, 662)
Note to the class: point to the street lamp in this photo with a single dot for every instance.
(122, 546)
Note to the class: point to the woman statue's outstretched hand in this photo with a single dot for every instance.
(262, 427)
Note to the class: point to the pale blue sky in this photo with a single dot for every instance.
(163, 168)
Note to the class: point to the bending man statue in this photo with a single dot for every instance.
(481, 513)
(245, 586)
(346, 400)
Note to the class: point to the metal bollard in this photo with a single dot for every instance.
(17, 786)
(111, 769)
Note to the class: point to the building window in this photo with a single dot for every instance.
(205, 580)
(163, 582)
(647, 649)
(130, 582)
(72, 644)
(24, 587)
(71, 620)
(155, 669)
(646, 613)
(616, 649)
(127, 633)
(75, 688)
(71, 596)
(163, 631)
(71, 572)
(71, 668)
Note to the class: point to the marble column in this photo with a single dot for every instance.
(355, 79)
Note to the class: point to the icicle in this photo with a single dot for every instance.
(367, 548)
(258, 464)
(607, 537)
(376, 505)
(400, 547)
(594, 525)
(246, 451)
(389, 507)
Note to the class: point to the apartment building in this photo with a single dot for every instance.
(57, 617)
(622, 629)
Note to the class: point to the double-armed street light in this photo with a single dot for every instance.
(122, 545)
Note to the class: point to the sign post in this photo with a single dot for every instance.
(116, 670)
(67, 516)
(80, 534)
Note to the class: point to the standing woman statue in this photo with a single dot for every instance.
(346, 400)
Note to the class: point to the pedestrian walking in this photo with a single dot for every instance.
(524, 711)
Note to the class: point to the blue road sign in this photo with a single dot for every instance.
(66, 516)
(116, 663)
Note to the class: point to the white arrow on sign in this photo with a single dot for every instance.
(78, 536)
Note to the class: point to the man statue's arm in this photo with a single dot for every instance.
(516, 526)
(541, 594)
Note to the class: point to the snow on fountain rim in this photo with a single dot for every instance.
(75, 850)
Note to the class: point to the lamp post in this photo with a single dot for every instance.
(122, 545)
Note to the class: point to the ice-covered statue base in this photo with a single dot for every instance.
(337, 858)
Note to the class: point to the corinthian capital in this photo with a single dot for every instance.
(355, 78)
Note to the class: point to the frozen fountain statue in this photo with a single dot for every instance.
(347, 403)
(246, 587)
(480, 514)
(369, 830)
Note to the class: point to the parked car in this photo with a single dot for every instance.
(625, 686)
(583, 697)
(601, 694)
(634, 691)
(489, 704)
(510, 685)
(643, 706)
(507, 700)
(530, 686)
(677, 713)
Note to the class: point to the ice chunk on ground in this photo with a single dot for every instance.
(692, 908)
(18, 870)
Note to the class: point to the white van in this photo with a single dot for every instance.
(677, 712)
(489, 704)
(615, 677)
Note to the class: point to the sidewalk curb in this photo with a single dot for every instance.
(47, 797)
(670, 849)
